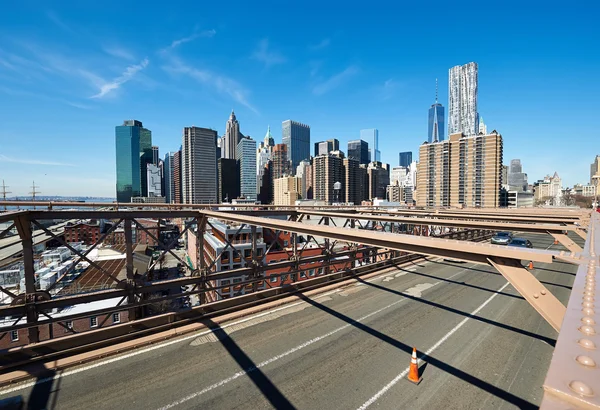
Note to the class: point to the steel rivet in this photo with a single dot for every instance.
(535, 295)
(585, 361)
(588, 304)
(543, 291)
(588, 298)
(587, 311)
(587, 343)
(588, 330)
(581, 388)
(588, 320)
(590, 287)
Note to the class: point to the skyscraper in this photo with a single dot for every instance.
(482, 126)
(229, 179)
(351, 183)
(325, 147)
(199, 165)
(462, 108)
(379, 179)
(269, 141)
(145, 156)
(154, 181)
(304, 172)
(405, 158)
(359, 150)
(280, 166)
(435, 131)
(169, 174)
(327, 170)
(595, 173)
(297, 138)
(133, 151)
(177, 169)
(461, 171)
(155, 155)
(372, 135)
(231, 138)
(246, 156)
(517, 179)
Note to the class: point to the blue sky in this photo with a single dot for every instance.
(71, 70)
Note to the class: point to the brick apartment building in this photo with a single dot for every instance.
(15, 338)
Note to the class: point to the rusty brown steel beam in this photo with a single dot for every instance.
(518, 227)
(477, 253)
(532, 290)
(478, 216)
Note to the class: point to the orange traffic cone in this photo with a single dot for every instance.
(530, 265)
(413, 371)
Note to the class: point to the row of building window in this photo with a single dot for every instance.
(116, 317)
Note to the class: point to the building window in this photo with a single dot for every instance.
(224, 282)
(273, 278)
(247, 253)
(320, 271)
(237, 280)
(285, 243)
(14, 335)
(311, 272)
(68, 326)
(93, 321)
(302, 274)
(116, 317)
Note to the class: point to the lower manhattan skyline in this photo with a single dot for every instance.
(70, 74)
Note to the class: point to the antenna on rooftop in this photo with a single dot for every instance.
(4, 192)
(436, 91)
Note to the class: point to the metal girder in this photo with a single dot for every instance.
(472, 252)
(566, 242)
(477, 216)
(518, 227)
(532, 290)
(573, 378)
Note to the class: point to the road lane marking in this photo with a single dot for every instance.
(194, 335)
(431, 350)
(289, 352)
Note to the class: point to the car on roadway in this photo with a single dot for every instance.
(520, 243)
(502, 238)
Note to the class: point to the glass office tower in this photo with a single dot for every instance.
(372, 134)
(297, 138)
(359, 150)
(133, 145)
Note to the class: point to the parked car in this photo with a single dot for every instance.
(502, 238)
(520, 242)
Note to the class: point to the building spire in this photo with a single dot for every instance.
(436, 91)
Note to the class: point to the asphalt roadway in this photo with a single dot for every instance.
(480, 346)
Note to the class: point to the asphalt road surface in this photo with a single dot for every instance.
(480, 346)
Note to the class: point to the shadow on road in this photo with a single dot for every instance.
(497, 273)
(456, 282)
(39, 398)
(475, 381)
(267, 388)
(548, 340)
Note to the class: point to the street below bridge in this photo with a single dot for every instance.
(480, 343)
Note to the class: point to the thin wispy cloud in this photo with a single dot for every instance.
(221, 83)
(202, 34)
(314, 67)
(127, 75)
(266, 56)
(388, 89)
(322, 44)
(4, 158)
(58, 21)
(119, 52)
(335, 81)
(40, 96)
